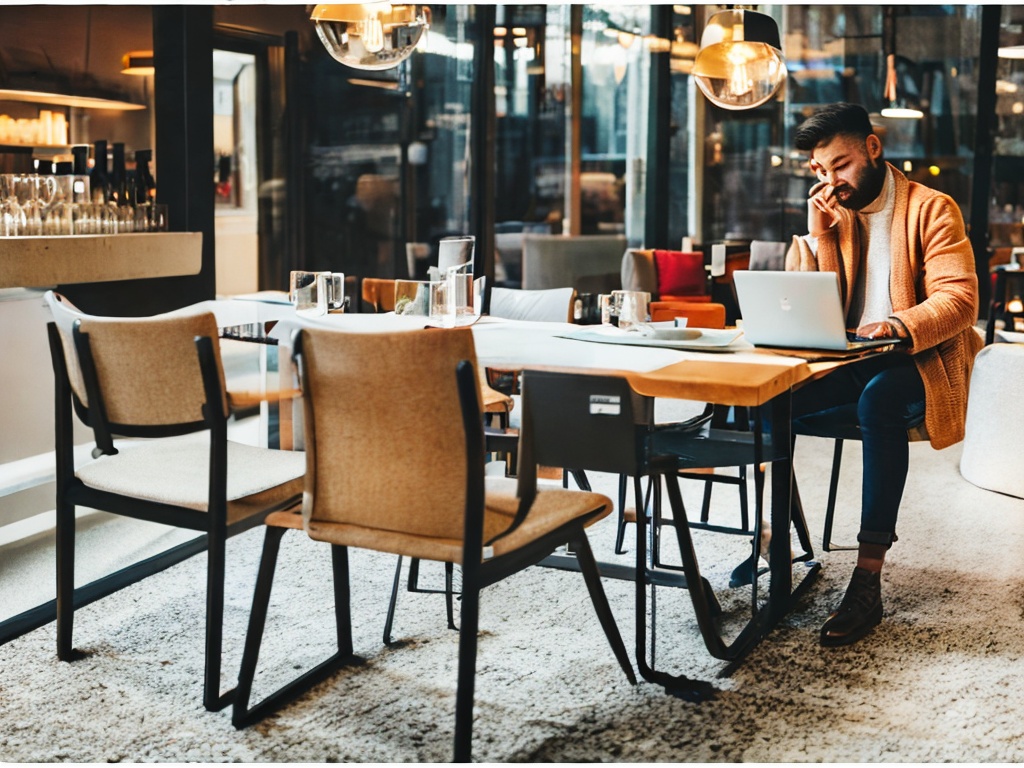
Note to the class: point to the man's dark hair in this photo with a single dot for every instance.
(840, 119)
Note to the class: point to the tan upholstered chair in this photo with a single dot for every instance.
(417, 489)
(158, 378)
(380, 294)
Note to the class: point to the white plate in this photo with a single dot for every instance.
(673, 334)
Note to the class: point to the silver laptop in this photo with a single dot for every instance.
(797, 310)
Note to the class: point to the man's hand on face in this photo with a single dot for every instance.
(821, 204)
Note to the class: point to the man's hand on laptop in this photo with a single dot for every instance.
(886, 329)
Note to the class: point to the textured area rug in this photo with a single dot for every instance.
(942, 679)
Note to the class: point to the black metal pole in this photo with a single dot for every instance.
(983, 139)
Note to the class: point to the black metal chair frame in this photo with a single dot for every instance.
(476, 575)
(610, 423)
(840, 425)
(645, 499)
(72, 492)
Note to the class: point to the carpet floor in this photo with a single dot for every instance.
(942, 679)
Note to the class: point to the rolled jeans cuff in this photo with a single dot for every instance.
(885, 538)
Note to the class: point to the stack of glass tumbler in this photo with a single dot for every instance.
(41, 204)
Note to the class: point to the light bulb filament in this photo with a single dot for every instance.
(373, 34)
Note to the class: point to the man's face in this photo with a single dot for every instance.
(853, 167)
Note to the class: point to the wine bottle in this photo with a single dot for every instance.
(99, 180)
(80, 165)
(145, 184)
(81, 174)
(119, 176)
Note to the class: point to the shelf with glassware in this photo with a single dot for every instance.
(69, 198)
(40, 261)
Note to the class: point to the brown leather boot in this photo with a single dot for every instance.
(858, 613)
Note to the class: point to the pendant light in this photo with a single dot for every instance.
(137, 63)
(740, 63)
(896, 102)
(371, 36)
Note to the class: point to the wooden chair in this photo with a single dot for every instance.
(158, 378)
(380, 294)
(416, 490)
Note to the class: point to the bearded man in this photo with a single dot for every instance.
(906, 271)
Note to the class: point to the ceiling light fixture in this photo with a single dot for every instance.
(137, 63)
(740, 63)
(371, 36)
(896, 102)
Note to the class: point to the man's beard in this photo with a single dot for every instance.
(868, 187)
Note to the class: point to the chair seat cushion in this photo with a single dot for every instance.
(176, 470)
(551, 509)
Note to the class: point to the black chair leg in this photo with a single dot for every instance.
(620, 533)
(242, 715)
(588, 566)
(830, 510)
(449, 594)
(389, 622)
(65, 580)
(216, 553)
(467, 672)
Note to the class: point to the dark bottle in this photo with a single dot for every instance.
(145, 184)
(80, 170)
(99, 179)
(119, 176)
(80, 154)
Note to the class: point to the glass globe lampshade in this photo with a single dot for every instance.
(370, 36)
(740, 63)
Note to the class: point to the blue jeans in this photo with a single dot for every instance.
(885, 395)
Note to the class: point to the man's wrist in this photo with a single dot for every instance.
(899, 327)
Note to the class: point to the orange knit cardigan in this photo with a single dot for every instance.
(934, 291)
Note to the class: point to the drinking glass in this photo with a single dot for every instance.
(455, 251)
(32, 210)
(412, 297)
(634, 309)
(55, 218)
(451, 299)
(12, 218)
(158, 217)
(314, 294)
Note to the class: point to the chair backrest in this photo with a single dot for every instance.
(768, 254)
(145, 372)
(582, 422)
(638, 271)
(664, 273)
(379, 293)
(64, 316)
(551, 305)
(698, 314)
(386, 446)
(589, 263)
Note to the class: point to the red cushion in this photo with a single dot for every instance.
(680, 273)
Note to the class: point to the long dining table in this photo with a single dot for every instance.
(735, 374)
